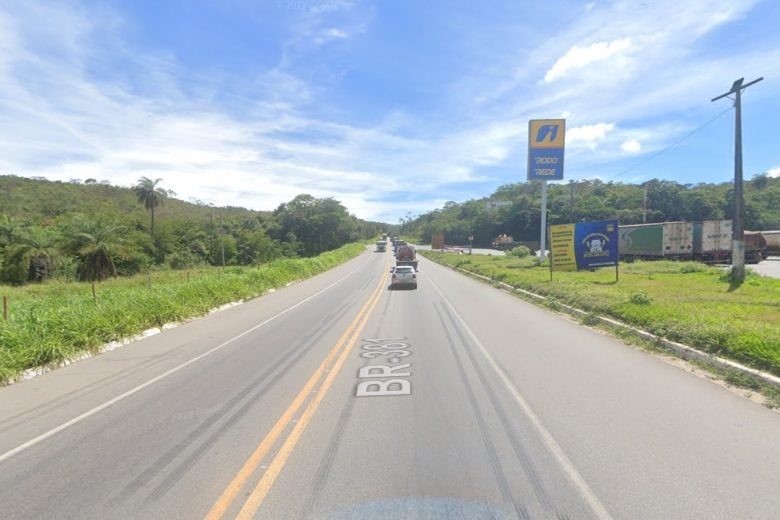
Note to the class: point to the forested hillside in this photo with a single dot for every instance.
(514, 209)
(90, 230)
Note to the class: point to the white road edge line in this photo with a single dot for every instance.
(99, 408)
(587, 493)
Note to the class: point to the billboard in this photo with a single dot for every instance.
(545, 149)
(584, 245)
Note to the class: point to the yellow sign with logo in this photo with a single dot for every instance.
(546, 133)
(546, 139)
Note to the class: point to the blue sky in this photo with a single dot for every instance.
(392, 107)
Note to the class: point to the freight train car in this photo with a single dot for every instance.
(707, 241)
(712, 240)
(772, 239)
(669, 240)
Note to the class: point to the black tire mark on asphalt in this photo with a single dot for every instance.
(509, 430)
(254, 390)
(498, 470)
(326, 463)
(59, 400)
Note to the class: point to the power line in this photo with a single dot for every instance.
(648, 159)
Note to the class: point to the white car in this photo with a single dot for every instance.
(404, 276)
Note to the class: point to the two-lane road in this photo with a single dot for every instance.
(338, 398)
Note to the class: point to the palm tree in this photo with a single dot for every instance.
(151, 196)
(95, 243)
(9, 229)
(38, 250)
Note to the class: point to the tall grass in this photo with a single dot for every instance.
(682, 301)
(50, 323)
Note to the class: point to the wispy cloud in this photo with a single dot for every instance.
(332, 33)
(580, 57)
(588, 135)
(631, 146)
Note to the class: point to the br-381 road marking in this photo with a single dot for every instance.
(384, 380)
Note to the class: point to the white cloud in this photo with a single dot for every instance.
(588, 135)
(774, 172)
(631, 146)
(580, 57)
(331, 34)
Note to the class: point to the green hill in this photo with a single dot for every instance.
(43, 202)
(91, 230)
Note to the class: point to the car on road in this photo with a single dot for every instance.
(403, 276)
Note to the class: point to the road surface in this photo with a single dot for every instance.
(769, 267)
(474, 251)
(336, 398)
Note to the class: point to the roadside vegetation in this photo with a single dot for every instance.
(52, 322)
(89, 230)
(514, 209)
(686, 302)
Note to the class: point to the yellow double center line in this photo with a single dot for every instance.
(339, 352)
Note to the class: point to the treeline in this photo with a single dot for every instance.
(91, 230)
(514, 209)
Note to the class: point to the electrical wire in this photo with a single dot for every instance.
(648, 159)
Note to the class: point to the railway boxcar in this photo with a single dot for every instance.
(671, 240)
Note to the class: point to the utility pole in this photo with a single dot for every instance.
(222, 240)
(211, 242)
(644, 208)
(571, 201)
(543, 237)
(738, 233)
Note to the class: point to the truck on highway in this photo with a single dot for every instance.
(503, 242)
(406, 255)
(381, 246)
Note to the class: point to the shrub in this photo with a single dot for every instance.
(640, 298)
(519, 252)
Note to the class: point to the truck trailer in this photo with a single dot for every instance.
(669, 240)
(406, 255)
(708, 241)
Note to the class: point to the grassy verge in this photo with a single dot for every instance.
(682, 301)
(52, 322)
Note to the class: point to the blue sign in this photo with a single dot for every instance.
(545, 149)
(596, 244)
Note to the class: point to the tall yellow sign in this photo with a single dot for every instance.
(562, 253)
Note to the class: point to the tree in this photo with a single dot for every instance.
(318, 224)
(95, 242)
(151, 196)
(36, 251)
(9, 228)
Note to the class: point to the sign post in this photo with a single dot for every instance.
(546, 140)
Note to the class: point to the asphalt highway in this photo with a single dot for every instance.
(337, 398)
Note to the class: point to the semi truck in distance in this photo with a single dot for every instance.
(406, 255)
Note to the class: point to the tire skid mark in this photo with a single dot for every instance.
(78, 392)
(326, 463)
(509, 430)
(498, 470)
(251, 392)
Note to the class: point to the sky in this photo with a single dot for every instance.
(392, 107)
